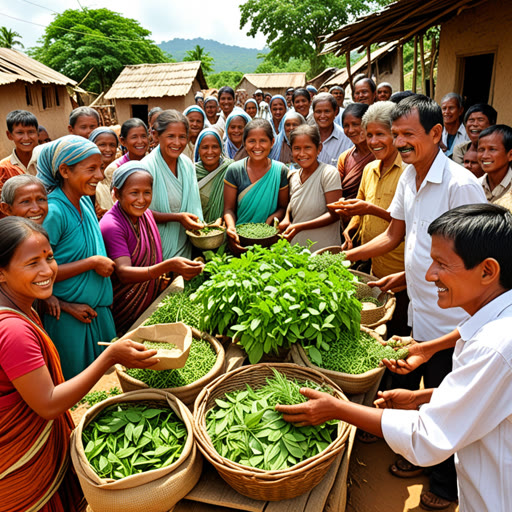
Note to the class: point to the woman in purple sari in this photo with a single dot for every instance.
(132, 240)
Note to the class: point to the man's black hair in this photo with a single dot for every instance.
(429, 111)
(478, 232)
(23, 117)
(301, 91)
(485, 109)
(505, 132)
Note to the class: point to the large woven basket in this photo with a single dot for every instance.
(187, 394)
(370, 317)
(256, 483)
(152, 491)
(207, 242)
(350, 384)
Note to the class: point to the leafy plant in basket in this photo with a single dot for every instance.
(271, 298)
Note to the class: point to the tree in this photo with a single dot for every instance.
(7, 38)
(77, 41)
(218, 80)
(292, 27)
(199, 54)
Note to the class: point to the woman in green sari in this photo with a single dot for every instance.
(211, 166)
(255, 188)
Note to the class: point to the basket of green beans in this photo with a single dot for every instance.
(205, 362)
(353, 363)
(135, 452)
(257, 233)
(253, 449)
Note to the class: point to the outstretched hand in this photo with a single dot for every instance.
(132, 354)
(320, 407)
(416, 357)
(393, 282)
(396, 399)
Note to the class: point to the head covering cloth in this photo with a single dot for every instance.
(68, 150)
(100, 131)
(231, 149)
(275, 152)
(123, 172)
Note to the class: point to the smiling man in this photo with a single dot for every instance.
(430, 185)
(334, 140)
(454, 132)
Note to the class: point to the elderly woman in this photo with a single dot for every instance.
(235, 124)
(281, 150)
(211, 109)
(278, 109)
(133, 242)
(211, 167)
(175, 205)
(71, 167)
(196, 121)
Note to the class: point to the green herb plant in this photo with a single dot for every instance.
(127, 439)
(94, 397)
(256, 230)
(245, 428)
(270, 298)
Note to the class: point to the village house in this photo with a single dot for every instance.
(273, 83)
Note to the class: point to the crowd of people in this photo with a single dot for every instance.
(94, 226)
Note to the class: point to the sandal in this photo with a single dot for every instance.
(431, 501)
(366, 437)
(404, 469)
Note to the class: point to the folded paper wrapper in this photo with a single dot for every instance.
(178, 334)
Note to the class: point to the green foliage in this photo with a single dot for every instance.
(8, 38)
(231, 78)
(270, 298)
(94, 397)
(245, 428)
(198, 53)
(127, 439)
(292, 27)
(98, 39)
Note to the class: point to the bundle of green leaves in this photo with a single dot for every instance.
(245, 428)
(127, 439)
(271, 298)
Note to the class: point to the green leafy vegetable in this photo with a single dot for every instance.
(256, 230)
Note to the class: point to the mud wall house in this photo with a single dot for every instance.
(273, 83)
(142, 87)
(26, 84)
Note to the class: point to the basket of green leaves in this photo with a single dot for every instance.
(253, 449)
(208, 238)
(257, 233)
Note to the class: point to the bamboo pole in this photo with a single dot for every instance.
(347, 59)
(433, 54)
(369, 61)
(401, 65)
(422, 62)
(415, 66)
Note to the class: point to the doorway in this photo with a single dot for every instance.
(477, 78)
(140, 111)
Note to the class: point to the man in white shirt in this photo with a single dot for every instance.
(470, 413)
(431, 185)
(334, 140)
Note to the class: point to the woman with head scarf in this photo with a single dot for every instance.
(196, 121)
(107, 142)
(281, 149)
(235, 124)
(278, 109)
(133, 242)
(251, 107)
(211, 166)
(71, 168)
(211, 109)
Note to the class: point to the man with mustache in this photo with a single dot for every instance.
(431, 185)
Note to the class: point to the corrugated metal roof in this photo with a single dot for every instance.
(156, 80)
(15, 65)
(275, 80)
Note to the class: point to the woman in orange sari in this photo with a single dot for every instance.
(35, 424)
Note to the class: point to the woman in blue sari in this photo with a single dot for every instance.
(255, 188)
(176, 205)
(71, 167)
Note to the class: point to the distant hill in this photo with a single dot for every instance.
(226, 57)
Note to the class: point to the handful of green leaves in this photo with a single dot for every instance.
(127, 439)
(201, 359)
(245, 428)
(354, 354)
(271, 298)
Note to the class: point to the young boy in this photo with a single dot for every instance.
(22, 130)
(470, 413)
(494, 156)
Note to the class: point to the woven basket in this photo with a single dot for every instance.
(350, 384)
(207, 242)
(256, 483)
(153, 491)
(372, 318)
(187, 394)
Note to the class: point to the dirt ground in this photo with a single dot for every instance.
(371, 487)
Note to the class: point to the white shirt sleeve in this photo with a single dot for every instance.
(397, 208)
(471, 401)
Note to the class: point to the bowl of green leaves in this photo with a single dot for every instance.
(207, 238)
(257, 233)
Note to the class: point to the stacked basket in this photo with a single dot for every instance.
(253, 482)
